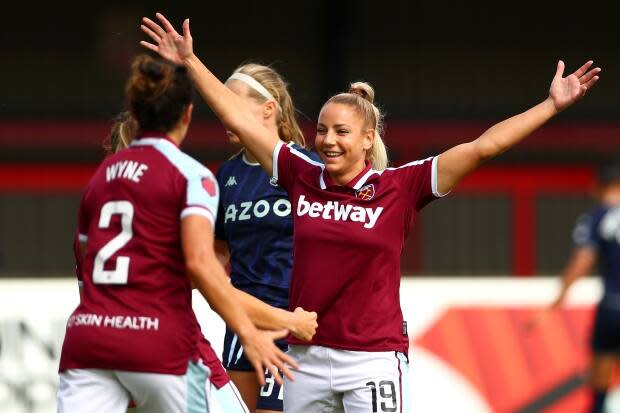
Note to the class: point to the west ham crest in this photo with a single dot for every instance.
(366, 193)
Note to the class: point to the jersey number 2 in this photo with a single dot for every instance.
(120, 273)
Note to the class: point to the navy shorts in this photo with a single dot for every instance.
(606, 331)
(270, 396)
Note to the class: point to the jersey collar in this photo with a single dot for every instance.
(151, 138)
(356, 183)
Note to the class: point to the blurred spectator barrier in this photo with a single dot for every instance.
(468, 339)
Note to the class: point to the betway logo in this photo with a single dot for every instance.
(339, 212)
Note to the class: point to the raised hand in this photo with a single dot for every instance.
(168, 43)
(304, 324)
(565, 91)
(263, 354)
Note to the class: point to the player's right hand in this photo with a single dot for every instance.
(168, 43)
(262, 353)
(304, 324)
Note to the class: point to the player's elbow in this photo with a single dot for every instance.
(196, 263)
(485, 150)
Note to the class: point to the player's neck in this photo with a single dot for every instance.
(177, 134)
(346, 177)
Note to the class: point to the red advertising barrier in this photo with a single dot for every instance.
(515, 369)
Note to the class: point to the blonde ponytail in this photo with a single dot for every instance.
(123, 131)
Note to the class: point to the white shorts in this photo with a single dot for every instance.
(99, 390)
(226, 400)
(331, 380)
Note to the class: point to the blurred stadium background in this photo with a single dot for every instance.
(443, 73)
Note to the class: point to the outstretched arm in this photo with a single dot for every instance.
(229, 107)
(457, 162)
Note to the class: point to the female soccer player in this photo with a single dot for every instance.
(300, 323)
(145, 218)
(254, 226)
(597, 237)
(351, 216)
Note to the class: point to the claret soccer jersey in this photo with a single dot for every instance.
(135, 312)
(348, 242)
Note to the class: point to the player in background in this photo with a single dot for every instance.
(351, 216)
(300, 323)
(597, 239)
(146, 221)
(254, 227)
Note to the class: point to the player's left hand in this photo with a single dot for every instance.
(565, 91)
(168, 43)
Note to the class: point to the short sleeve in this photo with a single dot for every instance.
(418, 181)
(289, 162)
(584, 233)
(202, 194)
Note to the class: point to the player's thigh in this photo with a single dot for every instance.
(311, 391)
(226, 400)
(169, 393)
(91, 390)
(376, 383)
(247, 384)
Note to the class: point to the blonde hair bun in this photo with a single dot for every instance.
(364, 90)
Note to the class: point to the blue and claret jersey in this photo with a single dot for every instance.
(600, 229)
(255, 220)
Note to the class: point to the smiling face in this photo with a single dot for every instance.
(342, 140)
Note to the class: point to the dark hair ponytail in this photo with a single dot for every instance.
(157, 92)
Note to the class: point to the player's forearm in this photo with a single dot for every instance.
(506, 134)
(579, 265)
(263, 315)
(233, 112)
(210, 279)
(457, 162)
